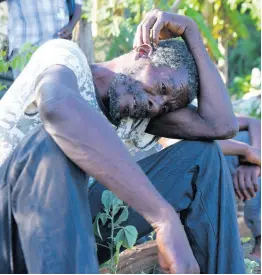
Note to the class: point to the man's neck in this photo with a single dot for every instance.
(103, 75)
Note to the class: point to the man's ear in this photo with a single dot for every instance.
(144, 51)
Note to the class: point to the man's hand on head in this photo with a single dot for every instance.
(163, 25)
(214, 118)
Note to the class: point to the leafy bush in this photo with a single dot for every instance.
(17, 62)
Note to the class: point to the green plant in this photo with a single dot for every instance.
(250, 266)
(17, 62)
(2, 87)
(114, 214)
(240, 85)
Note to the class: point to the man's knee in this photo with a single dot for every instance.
(206, 155)
(37, 146)
(37, 151)
(194, 148)
(243, 136)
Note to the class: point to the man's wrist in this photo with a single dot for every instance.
(191, 31)
(165, 215)
(71, 24)
(193, 39)
(244, 150)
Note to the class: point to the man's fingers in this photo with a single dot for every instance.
(138, 37)
(146, 28)
(66, 35)
(143, 32)
(156, 31)
(242, 187)
(62, 33)
(236, 187)
(138, 40)
(164, 265)
(184, 269)
(254, 178)
(249, 186)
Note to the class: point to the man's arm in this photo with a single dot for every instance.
(214, 118)
(253, 126)
(76, 16)
(92, 144)
(66, 32)
(244, 151)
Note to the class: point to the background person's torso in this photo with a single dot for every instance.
(35, 21)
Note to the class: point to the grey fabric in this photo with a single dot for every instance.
(252, 210)
(44, 205)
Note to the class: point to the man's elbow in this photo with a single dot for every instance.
(50, 103)
(227, 130)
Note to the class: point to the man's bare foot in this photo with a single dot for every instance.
(257, 248)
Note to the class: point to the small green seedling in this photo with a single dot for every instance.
(114, 214)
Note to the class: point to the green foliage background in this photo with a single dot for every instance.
(231, 30)
(232, 24)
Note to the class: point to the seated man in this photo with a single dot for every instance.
(243, 155)
(54, 133)
(246, 174)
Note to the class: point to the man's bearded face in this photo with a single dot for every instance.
(147, 91)
(127, 98)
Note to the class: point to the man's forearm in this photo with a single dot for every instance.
(214, 104)
(76, 16)
(253, 126)
(233, 147)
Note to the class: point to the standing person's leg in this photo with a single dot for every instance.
(194, 178)
(44, 206)
(252, 210)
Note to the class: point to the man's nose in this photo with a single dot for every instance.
(155, 104)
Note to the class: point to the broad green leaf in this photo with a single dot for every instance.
(116, 208)
(103, 218)
(127, 235)
(107, 200)
(110, 201)
(123, 217)
(117, 203)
